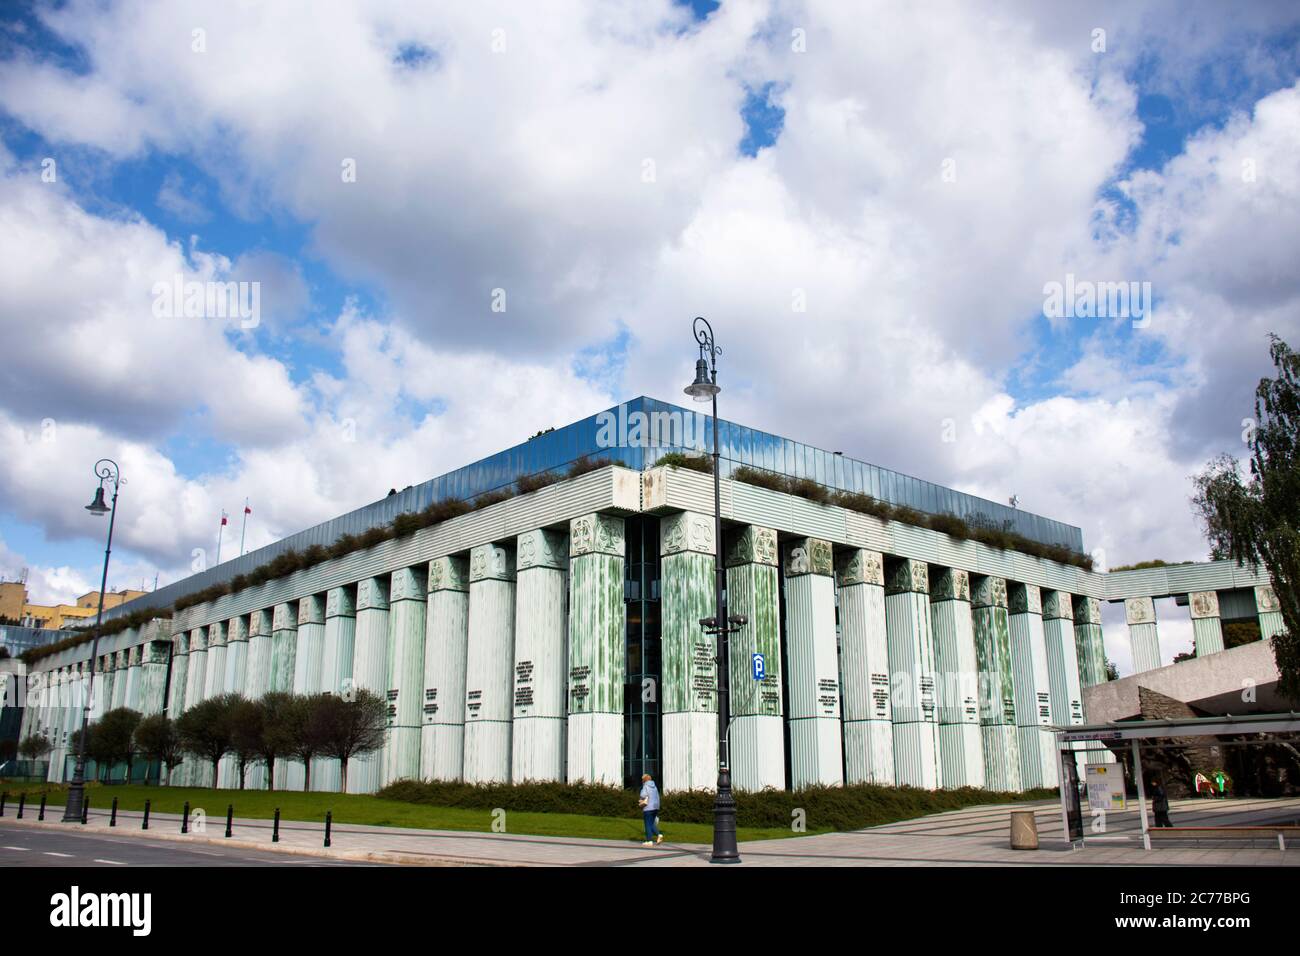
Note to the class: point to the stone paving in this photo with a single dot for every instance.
(977, 836)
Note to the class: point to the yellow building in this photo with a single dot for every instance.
(13, 598)
(65, 615)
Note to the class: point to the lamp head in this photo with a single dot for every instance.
(98, 507)
(703, 388)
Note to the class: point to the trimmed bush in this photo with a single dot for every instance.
(525, 484)
(583, 464)
(680, 459)
(827, 808)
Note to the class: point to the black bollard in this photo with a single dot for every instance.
(112, 817)
(275, 831)
(22, 799)
(230, 818)
(41, 815)
(145, 824)
(85, 810)
(185, 819)
(329, 818)
(3, 797)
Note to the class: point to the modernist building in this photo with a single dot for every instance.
(555, 635)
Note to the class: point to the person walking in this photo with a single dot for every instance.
(649, 802)
(1160, 804)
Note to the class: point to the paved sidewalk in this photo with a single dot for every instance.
(977, 836)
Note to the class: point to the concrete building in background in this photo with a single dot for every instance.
(15, 609)
(554, 634)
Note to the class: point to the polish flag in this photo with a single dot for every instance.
(247, 510)
(223, 519)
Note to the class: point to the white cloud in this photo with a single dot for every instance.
(525, 170)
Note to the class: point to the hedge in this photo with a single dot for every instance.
(825, 808)
(948, 524)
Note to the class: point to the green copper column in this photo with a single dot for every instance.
(406, 613)
(257, 677)
(1270, 612)
(215, 681)
(1088, 641)
(132, 678)
(446, 635)
(864, 639)
(370, 671)
(911, 662)
(489, 662)
(961, 750)
(309, 650)
(196, 685)
(1143, 634)
(812, 665)
(1091, 650)
(236, 668)
(237, 655)
(336, 670)
(121, 665)
(1033, 698)
(541, 656)
(1062, 659)
(597, 649)
(284, 660)
(284, 646)
(999, 736)
(690, 705)
(176, 691)
(153, 675)
(103, 688)
(1062, 663)
(1207, 630)
(757, 725)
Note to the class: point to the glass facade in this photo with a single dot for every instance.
(642, 722)
(636, 434)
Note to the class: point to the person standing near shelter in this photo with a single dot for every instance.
(650, 810)
(1160, 804)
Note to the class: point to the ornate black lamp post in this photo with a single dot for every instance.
(106, 470)
(703, 389)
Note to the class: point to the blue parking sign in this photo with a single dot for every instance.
(760, 667)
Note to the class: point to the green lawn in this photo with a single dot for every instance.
(356, 808)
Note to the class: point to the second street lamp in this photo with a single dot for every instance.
(106, 470)
(705, 389)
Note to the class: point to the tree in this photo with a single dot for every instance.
(247, 727)
(158, 739)
(276, 733)
(35, 746)
(205, 730)
(1257, 519)
(112, 740)
(303, 736)
(349, 728)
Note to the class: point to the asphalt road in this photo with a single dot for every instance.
(23, 846)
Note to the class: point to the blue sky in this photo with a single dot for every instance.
(776, 174)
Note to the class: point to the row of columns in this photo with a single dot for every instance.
(1204, 608)
(507, 664)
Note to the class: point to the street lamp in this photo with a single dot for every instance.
(705, 389)
(105, 470)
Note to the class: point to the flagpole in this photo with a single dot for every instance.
(243, 528)
(221, 530)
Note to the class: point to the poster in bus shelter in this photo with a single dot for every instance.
(1105, 786)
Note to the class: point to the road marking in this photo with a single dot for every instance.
(20, 849)
(66, 856)
(111, 862)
